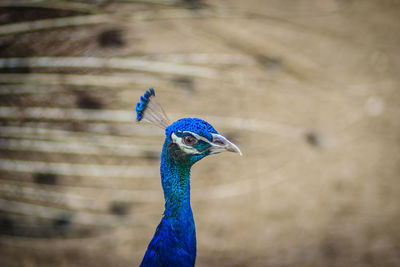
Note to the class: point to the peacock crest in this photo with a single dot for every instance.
(149, 110)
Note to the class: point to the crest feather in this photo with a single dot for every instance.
(149, 110)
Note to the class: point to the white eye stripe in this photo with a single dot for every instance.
(188, 149)
(198, 137)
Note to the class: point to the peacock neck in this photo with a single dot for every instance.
(175, 178)
(174, 242)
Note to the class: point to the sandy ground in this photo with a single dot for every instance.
(309, 90)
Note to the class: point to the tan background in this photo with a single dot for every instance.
(309, 90)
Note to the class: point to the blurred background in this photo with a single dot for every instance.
(308, 89)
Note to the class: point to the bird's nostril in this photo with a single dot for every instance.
(219, 142)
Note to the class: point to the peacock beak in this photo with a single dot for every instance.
(220, 144)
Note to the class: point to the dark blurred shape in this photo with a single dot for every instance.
(4, 44)
(62, 224)
(194, 4)
(152, 155)
(45, 178)
(329, 249)
(313, 138)
(16, 70)
(87, 101)
(111, 38)
(19, 14)
(7, 225)
(120, 208)
(75, 126)
(24, 226)
(185, 83)
(11, 47)
(269, 62)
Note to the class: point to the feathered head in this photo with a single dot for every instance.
(187, 138)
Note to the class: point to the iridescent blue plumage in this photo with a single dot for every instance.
(198, 126)
(187, 141)
(149, 110)
(142, 105)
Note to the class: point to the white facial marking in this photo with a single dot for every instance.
(220, 144)
(188, 149)
(198, 137)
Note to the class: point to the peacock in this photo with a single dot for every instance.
(187, 141)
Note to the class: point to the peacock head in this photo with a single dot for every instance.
(187, 140)
(191, 139)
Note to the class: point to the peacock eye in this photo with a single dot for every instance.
(189, 140)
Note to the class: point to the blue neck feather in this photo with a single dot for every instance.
(175, 178)
(174, 243)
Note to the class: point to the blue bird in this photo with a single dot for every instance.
(187, 141)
